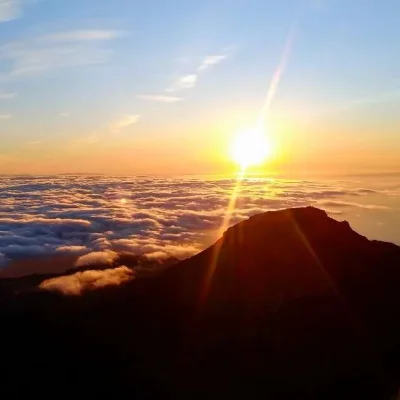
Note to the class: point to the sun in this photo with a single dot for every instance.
(250, 147)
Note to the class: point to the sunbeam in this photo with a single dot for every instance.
(251, 147)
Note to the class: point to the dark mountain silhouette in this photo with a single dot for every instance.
(287, 305)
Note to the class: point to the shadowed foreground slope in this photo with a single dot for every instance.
(289, 304)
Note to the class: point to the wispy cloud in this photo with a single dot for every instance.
(10, 9)
(189, 81)
(65, 114)
(59, 50)
(383, 97)
(210, 61)
(125, 122)
(7, 95)
(27, 61)
(82, 35)
(185, 82)
(33, 143)
(159, 98)
(5, 116)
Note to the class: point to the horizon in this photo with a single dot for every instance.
(171, 216)
(291, 175)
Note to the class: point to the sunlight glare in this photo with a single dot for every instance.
(250, 147)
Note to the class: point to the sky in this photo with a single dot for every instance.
(162, 86)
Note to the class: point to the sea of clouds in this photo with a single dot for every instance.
(94, 216)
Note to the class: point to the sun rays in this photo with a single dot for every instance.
(250, 147)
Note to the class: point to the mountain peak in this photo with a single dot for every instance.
(308, 216)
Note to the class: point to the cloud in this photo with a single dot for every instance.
(80, 282)
(125, 122)
(354, 104)
(76, 250)
(345, 204)
(161, 218)
(210, 61)
(154, 250)
(27, 62)
(82, 35)
(159, 98)
(96, 258)
(33, 143)
(5, 116)
(7, 95)
(189, 81)
(10, 9)
(65, 114)
(381, 97)
(54, 51)
(185, 82)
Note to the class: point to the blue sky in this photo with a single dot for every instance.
(148, 86)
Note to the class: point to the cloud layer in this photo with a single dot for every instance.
(92, 217)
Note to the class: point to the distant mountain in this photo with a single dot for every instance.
(288, 304)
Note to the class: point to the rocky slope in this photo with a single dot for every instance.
(288, 304)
